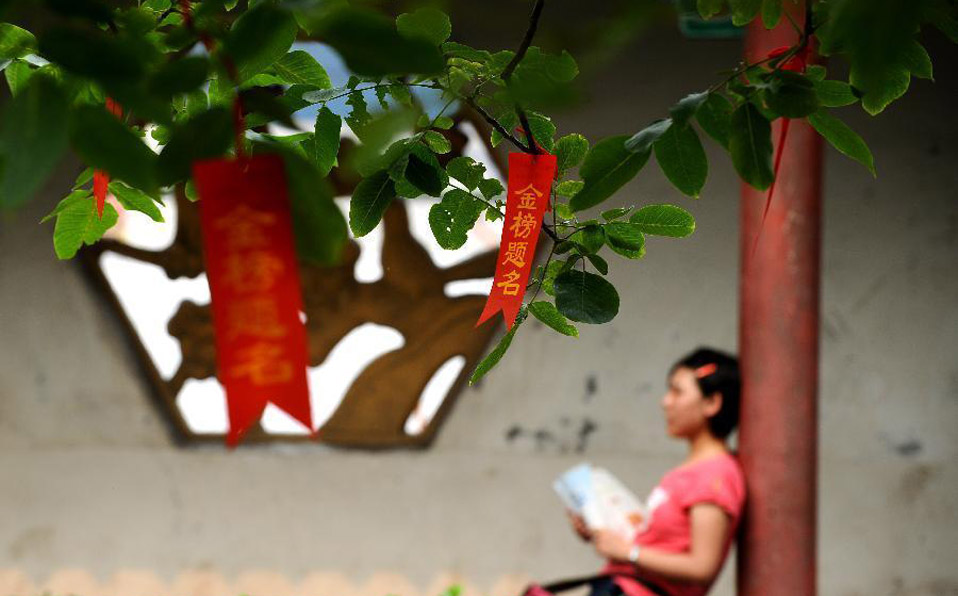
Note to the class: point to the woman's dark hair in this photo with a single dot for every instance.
(723, 379)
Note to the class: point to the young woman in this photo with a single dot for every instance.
(695, 509)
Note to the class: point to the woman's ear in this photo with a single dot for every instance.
(713, 404)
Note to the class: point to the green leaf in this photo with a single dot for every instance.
(300, 68)
(541, 79)
(790, 94)
(918, 61)
(161, 134)
(553, 269)
(318, 224)
(815, 72)
(548, 314)
(491, 188)
(180, 76)
(509, 121)
(424, 176)
(136, 20)
(570, 150)
(877, 53)
(714, 117)
(443, 122)
(15, 42)
(835, 94)
(743, 11)
(324, 95)
(687, 107)
(664, 220)
(259, 38)
(458, 50)
(263, 107)
(78, 224)
(499, 351)
(599, 263)
(625, 239)
(709, 8)
(196, 103)
(543, 130)
(682, 159)
(453, 217)
(369, 202)
(426, 170)
(437, 142)
(401, 95)
(616, 213)
(426, 23)
(359, 115)
(569, 188)
(941, 15)
(467, 171)
(67, 201)
(17, 74)
(589, 239)
(135, 200)
(642, 141)
(586, 297)
(204, 136)
(324, 147)
(878, 96)
(750, 144)
(189, 189)
(607, 168)
(371, 46)
(83, 178)
(771, 13)
(843, 138)
(94, 54)
(105, 143)
(561, 68)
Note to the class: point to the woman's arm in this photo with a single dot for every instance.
(710, 527)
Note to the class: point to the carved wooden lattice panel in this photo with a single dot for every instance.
(411, 297)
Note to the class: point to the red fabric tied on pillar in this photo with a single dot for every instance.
(261, 348)
(530, 184)
(101, 180)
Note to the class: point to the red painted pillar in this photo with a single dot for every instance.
(778, 337)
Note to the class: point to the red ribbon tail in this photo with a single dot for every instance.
(243, 415)
(509, 310)
(779, 150)
(492, 307)
(101, 182)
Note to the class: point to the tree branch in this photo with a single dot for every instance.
(511, 67)
(495, 124)
(530, 33)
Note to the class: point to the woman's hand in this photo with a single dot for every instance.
(611, 545)
(578, 524)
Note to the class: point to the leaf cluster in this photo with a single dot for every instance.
(178, 77)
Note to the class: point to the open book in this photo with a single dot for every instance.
(601, 499)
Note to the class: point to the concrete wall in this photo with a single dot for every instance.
(95, 500)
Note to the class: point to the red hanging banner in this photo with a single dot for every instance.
(530, 183)
(261, 350)
(101, 179)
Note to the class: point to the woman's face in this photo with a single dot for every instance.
(686, 410)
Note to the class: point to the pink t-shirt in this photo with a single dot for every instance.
(718, 480)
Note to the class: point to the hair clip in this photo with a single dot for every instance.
(705, 370)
